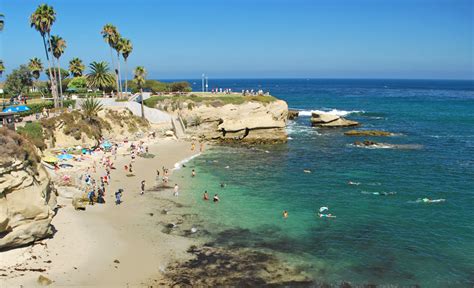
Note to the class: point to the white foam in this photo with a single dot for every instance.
(179, 164)
(337, 112)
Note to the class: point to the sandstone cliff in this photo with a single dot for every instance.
(250, 122)
(26, 195)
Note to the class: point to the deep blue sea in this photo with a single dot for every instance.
(374, 239)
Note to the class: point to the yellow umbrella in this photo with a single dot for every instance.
(50, 159)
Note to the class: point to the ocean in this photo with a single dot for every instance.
(379, 239)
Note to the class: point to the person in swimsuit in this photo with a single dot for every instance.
(193, 173)
(205, 196)
(216, 198)
(285, 214)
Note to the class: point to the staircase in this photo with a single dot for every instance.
(178, 127)
(154, 116)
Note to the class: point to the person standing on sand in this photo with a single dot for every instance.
(176, 190)
(143, 188)
(130, 170)
(118, 195)
(157, 180)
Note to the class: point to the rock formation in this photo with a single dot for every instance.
(293, 114)
(26, 194)
(250, 122)
(367, 133)
(330, 120)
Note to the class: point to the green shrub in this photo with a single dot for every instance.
(34, 133)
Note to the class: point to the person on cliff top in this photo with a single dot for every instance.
(142, 188)
(205, 197)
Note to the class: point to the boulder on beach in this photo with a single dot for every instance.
(330, 120)
(368, 133)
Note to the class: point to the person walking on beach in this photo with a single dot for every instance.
(143, 188)
(130, 170)
(176, 190)
(205, 197)
(157, 180)
(118, 196)
(216, 198)
(91, 196)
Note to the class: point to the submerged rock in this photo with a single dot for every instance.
(330, 120)
(293, 114)
(368, 133)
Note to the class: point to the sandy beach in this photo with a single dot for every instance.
(109, 245)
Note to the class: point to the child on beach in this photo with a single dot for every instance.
(143, 188)
(118, 195)
(176, 190)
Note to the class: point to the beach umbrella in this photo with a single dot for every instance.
(106, 144)
(50, 159)
(65, 156)
(322, 209)
(21, 108)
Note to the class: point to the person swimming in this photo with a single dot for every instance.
(193, 173)
(307, 171)
(216, 198)
(205, 196)
(353, 183)
(326, 215)
(428, 200)
(285, 214)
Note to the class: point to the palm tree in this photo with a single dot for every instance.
(2, 21)
(2, 68)
(139, 79)
(42, 20)
(91, 107)
(99, 76)
(57, 47)
(118, 48)
(36, 67)
(126, 50)
(76, 67)
(111, 36)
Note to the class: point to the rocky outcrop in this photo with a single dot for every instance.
(368, 133)
(26, 195)
(330, 120)
(293, 114)
(250, 122)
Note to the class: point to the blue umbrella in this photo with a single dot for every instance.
(106, 144)
(65, 156)
(21, 108)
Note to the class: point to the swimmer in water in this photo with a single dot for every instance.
(428, 200)
(216, 198)
(222, 185)
(326, 215)
(285, 214)
(353, 183)
(307, 171)
(384, 193)
(193, 173)
(205, 196)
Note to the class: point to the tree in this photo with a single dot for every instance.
(139, 79)
(57, 48)
(76, 67)
(91, 107)
(2, 68)
(126, 51)
(2, 21)
(36, 67)
(180, 87)
(64, 74)
(99, 76)
(77, 83)
(118, 48)
(18, 81)
(111, 36)
(42, 20)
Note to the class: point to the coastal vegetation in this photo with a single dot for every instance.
(58, 44)
(139, 79)
(99, 76)
(214, 100)
(76, 67)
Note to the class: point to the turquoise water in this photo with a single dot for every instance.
(374, 239)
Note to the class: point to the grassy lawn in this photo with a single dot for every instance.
(209, 99)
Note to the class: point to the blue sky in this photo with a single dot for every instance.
(429, 39)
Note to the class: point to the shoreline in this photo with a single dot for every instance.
(109, 244)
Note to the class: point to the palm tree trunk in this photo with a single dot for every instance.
(119, 74)
(53, 77)
(126, 76)
(53, 89)
(60, 86)
(115, 71)
(143, 108)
